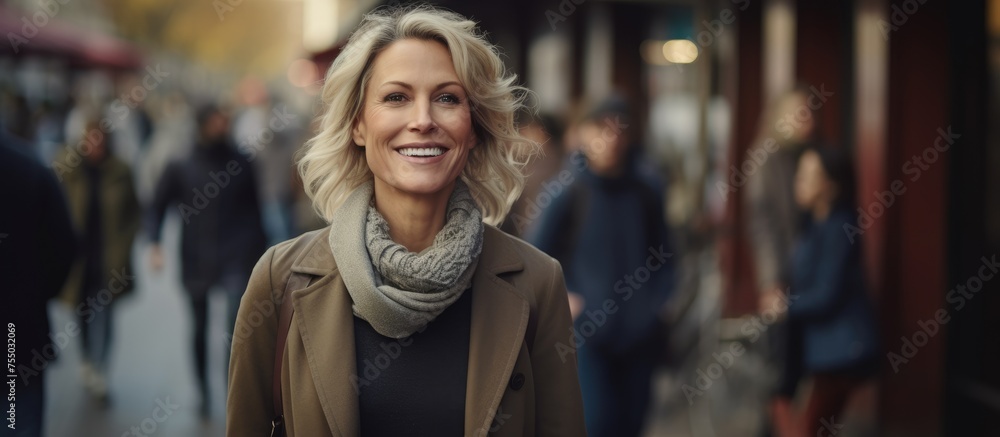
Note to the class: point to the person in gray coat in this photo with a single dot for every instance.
(772, 224)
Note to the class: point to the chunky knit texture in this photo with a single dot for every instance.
(395, 290)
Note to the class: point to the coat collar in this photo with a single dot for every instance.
(325, 322)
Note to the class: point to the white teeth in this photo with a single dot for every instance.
(421, 151)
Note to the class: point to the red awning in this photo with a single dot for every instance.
(81, 47)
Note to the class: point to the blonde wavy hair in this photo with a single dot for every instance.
(332, 165)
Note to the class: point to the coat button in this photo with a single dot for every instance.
(517, 381)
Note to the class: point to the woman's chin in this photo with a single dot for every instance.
(424, 187)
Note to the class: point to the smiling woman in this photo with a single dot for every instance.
(332, 165)
(417, 133)
(411, 314)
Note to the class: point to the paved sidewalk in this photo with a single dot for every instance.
(151, 363)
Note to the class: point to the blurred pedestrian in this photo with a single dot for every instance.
(37, 248)
(215, 192)
(131, 124)
(774, 218)
(269, 133)
(173, 128)
(462, 321)
(47, 125)
(829, 300)
(787, 127)
(607, 227)
(105, 210)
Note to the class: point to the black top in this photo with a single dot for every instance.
(415, 386)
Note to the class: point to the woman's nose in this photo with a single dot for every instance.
(421, 119)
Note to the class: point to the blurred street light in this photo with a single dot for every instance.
(675, 51)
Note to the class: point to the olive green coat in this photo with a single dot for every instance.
(119, 223)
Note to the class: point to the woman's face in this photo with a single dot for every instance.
(811, 183)
(415, 126)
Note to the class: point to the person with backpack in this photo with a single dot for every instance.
(606, 226)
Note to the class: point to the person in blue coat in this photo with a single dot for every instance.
(828, 299)
(606, 225)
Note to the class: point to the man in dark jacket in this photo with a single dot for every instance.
(37, 248)
(606, 226)
(215, 193)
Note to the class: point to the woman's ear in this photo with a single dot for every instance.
(358, 133)
(474, 136)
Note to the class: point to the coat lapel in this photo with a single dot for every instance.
(326, 325)
(499, 320)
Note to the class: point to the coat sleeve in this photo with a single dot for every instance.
(558, 403)
(164, 194)
(249, 407)
(545, 234)
(58, 245)
(131, 211)
(760, 227)
(825, 287)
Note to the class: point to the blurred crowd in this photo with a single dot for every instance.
(596, 204)
(113, 170)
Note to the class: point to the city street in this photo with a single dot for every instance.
(151, 363)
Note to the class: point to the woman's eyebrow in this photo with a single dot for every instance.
(399, 83)
(410, 87)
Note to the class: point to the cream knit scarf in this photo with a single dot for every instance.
(397, 291)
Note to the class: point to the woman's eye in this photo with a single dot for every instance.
(394, 97)
(449, 98)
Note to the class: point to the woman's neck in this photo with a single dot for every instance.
(414, 220)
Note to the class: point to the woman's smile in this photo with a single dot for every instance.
(422, 153)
